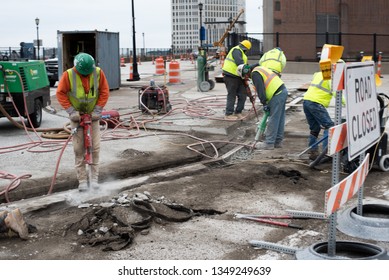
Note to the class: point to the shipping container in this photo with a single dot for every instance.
(102, 45)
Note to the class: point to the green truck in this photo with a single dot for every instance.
(24, 90)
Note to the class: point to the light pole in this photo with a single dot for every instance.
(135, 74)
(201, 24)
(37, 33)
(144, 49)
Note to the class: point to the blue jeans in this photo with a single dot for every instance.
(276, 122)
(235, 90)
(317, 118)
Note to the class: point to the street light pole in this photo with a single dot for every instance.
(201, 24)
(144, 49)
(37, 33)
(135, 74)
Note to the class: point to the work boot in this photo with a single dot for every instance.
(313, 154)
(95, 185)
(15, 221)
(83, 187)
(239, 116)
(264, 146)
(278, 145)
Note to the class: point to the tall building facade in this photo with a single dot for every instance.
(358, 25)
(215, 17)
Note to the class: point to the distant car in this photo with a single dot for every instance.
(51, 65)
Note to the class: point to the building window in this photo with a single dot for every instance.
(327, 27)
(277, 6)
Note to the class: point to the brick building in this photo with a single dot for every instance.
(301, 27)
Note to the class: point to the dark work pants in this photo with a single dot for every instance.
(235, 90)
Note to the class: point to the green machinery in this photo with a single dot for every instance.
(24, 90)
(204, 84)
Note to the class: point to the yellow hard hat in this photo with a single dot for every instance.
(246, 44)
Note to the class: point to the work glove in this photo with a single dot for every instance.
(96, 114)
(266, 108)
(74, 115)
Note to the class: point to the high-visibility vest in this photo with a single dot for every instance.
(80, 100)
(319, 90)
(271, 81)
(274, 60)
(229, 63)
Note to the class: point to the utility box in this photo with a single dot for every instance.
(102, 45)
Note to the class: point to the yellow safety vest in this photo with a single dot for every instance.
(271, 81)
(80, 100)
(319, 90)
(274, 60)
(229, 63)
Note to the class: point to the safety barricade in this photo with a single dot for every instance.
(174, 72)
(159, 66)
(131, 76)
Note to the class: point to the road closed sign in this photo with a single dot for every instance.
(363, 124)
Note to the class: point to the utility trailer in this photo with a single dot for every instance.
(24, 90)
(102, 45)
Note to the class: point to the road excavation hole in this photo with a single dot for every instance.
(374, 211)
(350, 250)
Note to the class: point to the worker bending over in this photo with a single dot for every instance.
(272, 93)
(315, 104)
(84, 89)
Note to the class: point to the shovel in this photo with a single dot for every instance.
(310, 147)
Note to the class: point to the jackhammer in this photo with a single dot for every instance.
(249, 94)
(260, 135)
(86, 123)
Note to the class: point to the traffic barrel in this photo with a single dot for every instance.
(122, 62)
(174, 72)
(131, 77)
(159, 66)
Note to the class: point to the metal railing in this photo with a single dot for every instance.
(297, 47)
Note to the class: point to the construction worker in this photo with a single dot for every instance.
(234, 83)
(315, 103)
(272, 93)
(84, 89)
(12, 222)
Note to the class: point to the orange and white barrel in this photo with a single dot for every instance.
(131, 77)
(159, 66)
(174, 72)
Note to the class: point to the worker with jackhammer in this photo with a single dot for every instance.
(84, 89)
(12, 223)
(235, 87)
(315, 103)
(272, 93)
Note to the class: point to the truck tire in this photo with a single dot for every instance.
(36, 116)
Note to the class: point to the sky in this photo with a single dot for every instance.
(152, 17)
